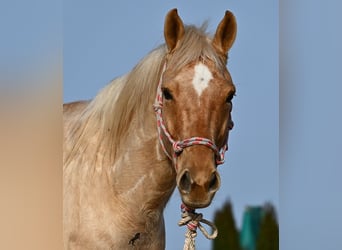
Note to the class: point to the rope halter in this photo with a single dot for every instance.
(190, 218)
(179, 146)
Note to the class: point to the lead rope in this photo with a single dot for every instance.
(190, 218)
(193, 221)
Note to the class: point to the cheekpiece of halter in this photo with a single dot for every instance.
(179, 146)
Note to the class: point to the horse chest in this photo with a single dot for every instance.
(119, 232)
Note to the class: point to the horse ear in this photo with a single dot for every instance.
(225, 33)
(173, 29)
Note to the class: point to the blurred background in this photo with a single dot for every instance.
(285, 150)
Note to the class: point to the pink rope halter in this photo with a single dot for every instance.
(179, 146)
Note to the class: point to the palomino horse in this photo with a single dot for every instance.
(162, 125)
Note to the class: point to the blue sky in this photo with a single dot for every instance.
(105, 39)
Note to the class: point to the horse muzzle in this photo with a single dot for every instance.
(198, 190)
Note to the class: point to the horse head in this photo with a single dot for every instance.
(194, 102)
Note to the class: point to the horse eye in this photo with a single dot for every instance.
(167, 95)
(230, 97)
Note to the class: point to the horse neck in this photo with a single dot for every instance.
(142, 174)
(138, 171)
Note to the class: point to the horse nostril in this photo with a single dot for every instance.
(184, 184)
(214, 182)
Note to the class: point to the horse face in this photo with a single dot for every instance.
(197, 103)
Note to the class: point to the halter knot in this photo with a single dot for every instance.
(193, 221)
(220, 160)
(157, 106)
(177, 147)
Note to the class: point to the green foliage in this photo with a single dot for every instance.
(268, 238)
(228, 235)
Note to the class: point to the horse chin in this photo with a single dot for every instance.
(194, 204)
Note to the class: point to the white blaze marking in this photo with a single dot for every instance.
(202, 78)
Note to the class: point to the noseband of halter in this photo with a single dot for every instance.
(179, 146)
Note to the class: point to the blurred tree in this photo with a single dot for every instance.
(228, 235)
(251, 222)
(268, 238)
